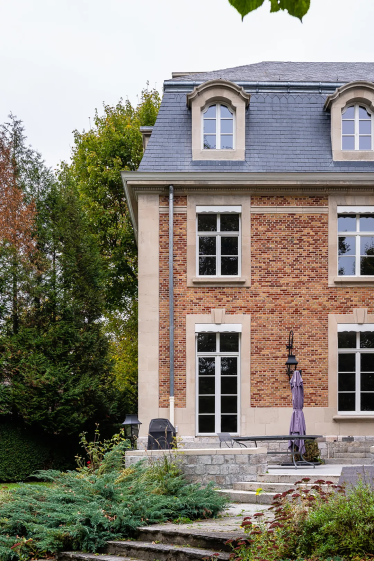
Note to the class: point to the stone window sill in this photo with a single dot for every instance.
(219, 280)
(354, 280)
(342, 418)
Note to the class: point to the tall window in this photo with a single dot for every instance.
(218, 244)
(217, 382)
(356, 128)
(218, 128)
(355, 244)
(355, 370)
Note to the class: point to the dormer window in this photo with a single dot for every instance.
(356, 128)
(218, 128)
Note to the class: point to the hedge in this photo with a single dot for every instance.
(24, 451)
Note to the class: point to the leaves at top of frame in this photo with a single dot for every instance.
(296, 8)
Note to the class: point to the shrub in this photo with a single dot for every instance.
(24, 451)
(321, 522)
(83, 509)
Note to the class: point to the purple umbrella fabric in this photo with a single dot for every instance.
(297, 425)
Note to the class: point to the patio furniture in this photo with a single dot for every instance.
(279, 438)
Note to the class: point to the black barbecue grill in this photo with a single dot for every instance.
(161, 434)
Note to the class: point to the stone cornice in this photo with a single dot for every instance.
(350, 87)
(198, 90)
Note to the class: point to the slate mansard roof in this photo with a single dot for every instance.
(287, 129)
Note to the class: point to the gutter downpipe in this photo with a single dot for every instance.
(171, 303)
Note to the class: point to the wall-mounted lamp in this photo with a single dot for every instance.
(291, 360)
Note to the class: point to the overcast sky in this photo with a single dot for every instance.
(61, 59)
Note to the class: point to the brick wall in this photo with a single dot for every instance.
(289, 264)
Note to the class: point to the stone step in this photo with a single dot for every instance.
(212, 540)
(268, 487)
(77, 556)
(351, 455)
(162, 552)
(249, 497)
(345, 461)
(293, 477)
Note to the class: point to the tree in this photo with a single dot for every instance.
(296, 8)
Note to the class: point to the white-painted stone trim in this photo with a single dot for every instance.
(198, 452)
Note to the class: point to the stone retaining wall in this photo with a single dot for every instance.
(221, 466)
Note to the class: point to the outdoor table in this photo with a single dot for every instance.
(242, 439)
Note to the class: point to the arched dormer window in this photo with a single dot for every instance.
(352, 109)
(356, 128)
(218, 127)
(218, 119)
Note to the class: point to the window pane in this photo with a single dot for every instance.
(229, 423)
(209, 125)
(229, 246)
(209, 142)
(367, 382)
(348, 127)
(349, 113)
(227, 142)
(207, 265)
(367, 223)
(229, 366)
(227, 126)
(230, 223)
(206, 343)
(367, 340)
(367, 362)
(364, 142)
(362, 113)
(207, 222)
(367, 266)
(365, 127)
(207, 245)
(367, 402)
(347, 362)
(229, 404)
(211, 112)
(225, 113)
(207, 404)
(347, 382)
(346, 223)
(346, 266)
(229, 342)
(367, 245)
(346, 402)
(229, 266)
(206, 385)
(229, 384)
(347, 340)
(346, 245)
(348, 142)
(206, 423)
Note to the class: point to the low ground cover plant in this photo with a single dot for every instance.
(317, 522)
(83, 509)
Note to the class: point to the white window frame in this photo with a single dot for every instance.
(218, 234)
(357, 129)
(214, 328)
(358, 328)
(218, 127)
(356, 211)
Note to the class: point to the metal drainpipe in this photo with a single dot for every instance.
(171, 302)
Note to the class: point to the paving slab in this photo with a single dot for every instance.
(323, 470)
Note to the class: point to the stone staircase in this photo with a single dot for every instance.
(356, 452)
(162, 544)
(271, 484)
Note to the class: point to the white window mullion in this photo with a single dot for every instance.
(218, 390)
(218, 126)
(357, 272)
(356, 127)
(358, 376)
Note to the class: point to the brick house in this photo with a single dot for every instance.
(267, 171)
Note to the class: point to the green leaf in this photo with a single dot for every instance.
(246, 6)
(296, 8)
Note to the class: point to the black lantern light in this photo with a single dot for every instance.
(291, 360)
(131, 425)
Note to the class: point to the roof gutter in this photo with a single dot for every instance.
(259, 85)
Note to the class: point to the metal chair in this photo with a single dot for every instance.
(226, 438)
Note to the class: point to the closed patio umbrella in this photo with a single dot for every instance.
(297, 425)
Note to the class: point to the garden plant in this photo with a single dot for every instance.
(318, 522)
(100, 501)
